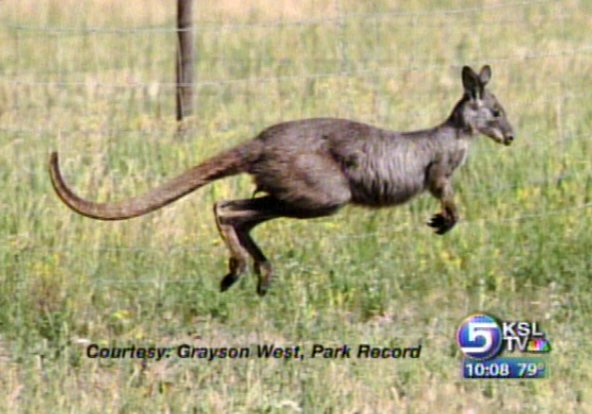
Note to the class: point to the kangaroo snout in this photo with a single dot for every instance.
(508, 139)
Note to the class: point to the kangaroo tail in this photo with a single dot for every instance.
(227, 163)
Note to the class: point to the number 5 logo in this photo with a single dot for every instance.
(479, 337)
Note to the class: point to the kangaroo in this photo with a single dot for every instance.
(313, 167)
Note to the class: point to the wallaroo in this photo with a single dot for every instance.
(311, 168)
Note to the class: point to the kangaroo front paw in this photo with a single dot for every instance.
(441, 223)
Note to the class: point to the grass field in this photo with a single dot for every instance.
(94, 80)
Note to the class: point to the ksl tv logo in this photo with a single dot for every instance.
(482, 337)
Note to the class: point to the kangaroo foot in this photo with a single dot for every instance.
(228, 281)
(236, 268)
(265, 272)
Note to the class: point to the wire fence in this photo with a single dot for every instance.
(339, 21)
(340, 18)
(344, 66)
(346, 70)
(369, 72)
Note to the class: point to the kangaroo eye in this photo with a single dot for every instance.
(496, 113)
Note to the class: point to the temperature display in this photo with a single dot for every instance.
(522, 368)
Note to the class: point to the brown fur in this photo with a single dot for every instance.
(313, 167)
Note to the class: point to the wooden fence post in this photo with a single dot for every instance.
(185, 57)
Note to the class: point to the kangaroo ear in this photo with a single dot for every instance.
(485, 75)
(471, 82)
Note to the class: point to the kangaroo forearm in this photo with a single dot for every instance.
(445, 220)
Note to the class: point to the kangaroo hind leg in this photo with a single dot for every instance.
(237, 264)
(235, 219)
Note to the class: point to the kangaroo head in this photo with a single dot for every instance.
(480, 110)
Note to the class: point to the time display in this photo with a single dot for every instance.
(509, 368)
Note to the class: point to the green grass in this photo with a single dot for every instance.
(105, 101)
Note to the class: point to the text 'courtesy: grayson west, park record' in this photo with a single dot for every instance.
(261, 351)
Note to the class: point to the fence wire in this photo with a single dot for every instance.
(349, 73)
(204, 25)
